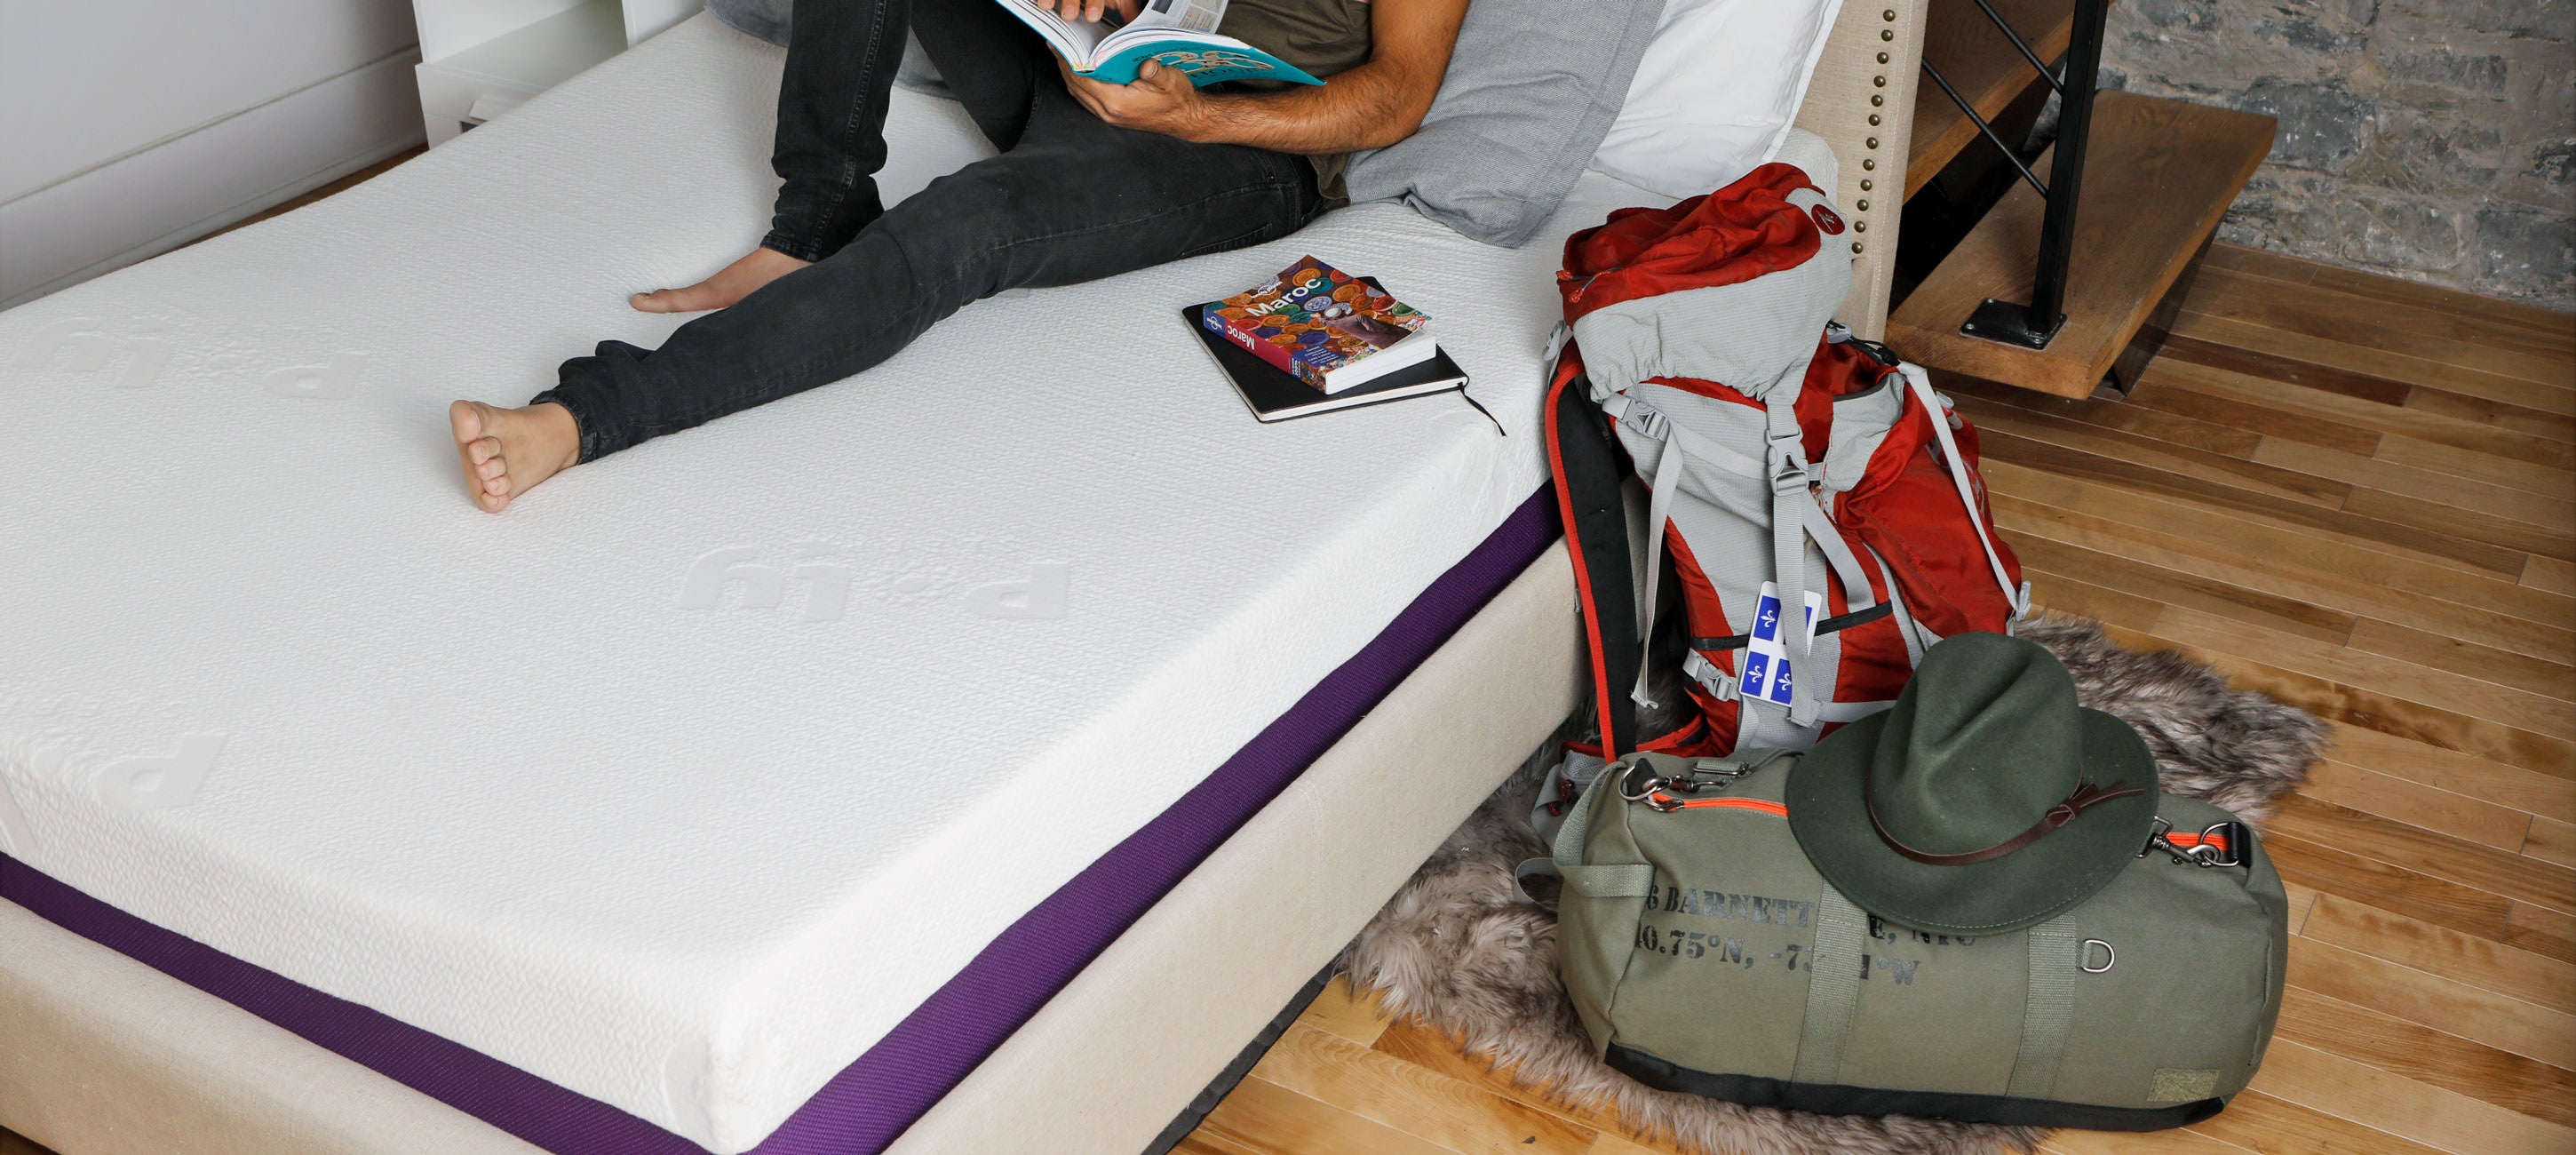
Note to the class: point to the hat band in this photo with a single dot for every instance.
(2085, 797)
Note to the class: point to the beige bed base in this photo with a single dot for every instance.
(101, 1055)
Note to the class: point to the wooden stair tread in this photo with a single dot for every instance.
(2158, 175)
(1976, 59)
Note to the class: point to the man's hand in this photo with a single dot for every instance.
(1371, 106)
(1091, 9)
(1159, 100)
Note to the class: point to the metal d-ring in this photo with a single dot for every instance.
(2110, 958)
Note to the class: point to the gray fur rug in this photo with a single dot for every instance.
(1460, 949)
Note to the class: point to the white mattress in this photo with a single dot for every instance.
(500, 777)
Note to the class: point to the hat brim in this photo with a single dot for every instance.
(2021, 889)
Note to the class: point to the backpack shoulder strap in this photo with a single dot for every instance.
(1584, 457)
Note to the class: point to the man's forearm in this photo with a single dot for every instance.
(1365, 107)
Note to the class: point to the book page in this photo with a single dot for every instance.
(1193, 15)
(1077, 41)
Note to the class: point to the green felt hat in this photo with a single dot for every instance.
(1985, 801)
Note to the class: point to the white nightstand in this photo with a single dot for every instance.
(480, 58)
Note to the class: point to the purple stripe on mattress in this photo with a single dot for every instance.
(871, 1101)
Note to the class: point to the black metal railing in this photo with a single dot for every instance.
(2034, 324)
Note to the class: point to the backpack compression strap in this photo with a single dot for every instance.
(1796, 517)
(1921, 384)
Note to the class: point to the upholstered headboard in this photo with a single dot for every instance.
(1862, 102)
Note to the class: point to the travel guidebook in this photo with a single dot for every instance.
(1273, 394)
(1178, 34)
(1323, 326)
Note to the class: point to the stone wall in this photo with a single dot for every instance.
(2434, 139)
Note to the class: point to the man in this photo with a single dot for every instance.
(1093, 180)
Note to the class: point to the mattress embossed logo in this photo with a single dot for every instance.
(814, 579)
(161, 781)
(143, 351)
(129, 356)
(104, 745)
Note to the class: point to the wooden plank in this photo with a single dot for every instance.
(2317, 570)
(2116, 416)
(2352, 1031)
(2541, 931)
(2177, 588)
(1423, 1104)
(2195, 331)
(2272, 424)
(2331, 870)
(1417, 1043)
(2415, 804)
(2430, 1000)
(2534, 319)
(2453, 316)
(2135, 1143)
(2547, 510)
(1994, 419)
(2478, 961)
(2536, 792)
(2084, 600)
(2473, 464)
(2485, 663)
(1608, 1144)
(1977, 60)
(2189, 365)
(2466, 524)
(2552, 841)
(2445, 1120)
(2007, 447)
(2496, 872)
(2547, 720)
(2303, 901)
(2551, 574)
(1339, 1010)
(1260, 1117)
(2482, 411)
(2157, 176)
(2259, 1122)
(2396, 331)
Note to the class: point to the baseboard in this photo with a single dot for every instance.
(155, 200)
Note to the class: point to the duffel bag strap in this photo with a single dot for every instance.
(1833, 988)
(2048, 1008)
(1582, 879)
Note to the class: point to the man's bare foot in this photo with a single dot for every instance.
(730, 284)
(508, 451)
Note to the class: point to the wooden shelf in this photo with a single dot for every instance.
(1977, 60)
(2158, 175)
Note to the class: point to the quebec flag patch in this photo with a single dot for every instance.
(1766, 661)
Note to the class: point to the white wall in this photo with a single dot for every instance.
(130, 126)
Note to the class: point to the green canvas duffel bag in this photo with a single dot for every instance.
(1706, 952)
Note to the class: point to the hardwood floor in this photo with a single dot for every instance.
(2357, 494)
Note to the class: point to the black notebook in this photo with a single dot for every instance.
(1273, 395)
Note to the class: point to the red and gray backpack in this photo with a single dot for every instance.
(1818, 503)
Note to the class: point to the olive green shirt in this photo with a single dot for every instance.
(1321, 36)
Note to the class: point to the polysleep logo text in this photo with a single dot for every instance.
(813, 580)
(142, 352)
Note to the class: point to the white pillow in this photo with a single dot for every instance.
(1715, 93)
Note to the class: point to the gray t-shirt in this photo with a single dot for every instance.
(1321, 36)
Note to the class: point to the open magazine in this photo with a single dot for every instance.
(1178, 34)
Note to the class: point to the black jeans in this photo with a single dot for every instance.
(1069, 199)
